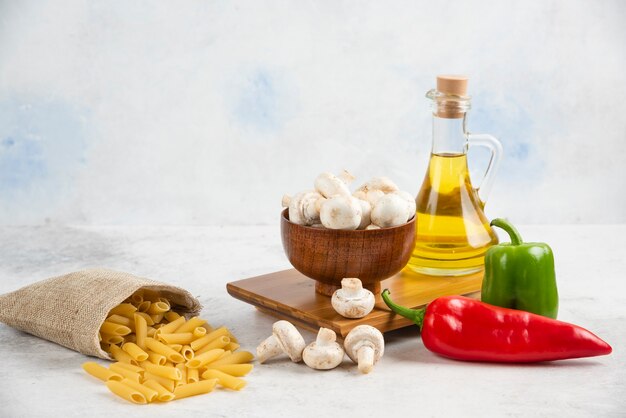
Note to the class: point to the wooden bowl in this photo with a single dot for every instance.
(329, 255)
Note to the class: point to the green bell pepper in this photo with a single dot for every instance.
(520, 275)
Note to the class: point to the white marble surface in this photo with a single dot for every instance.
(43, 379)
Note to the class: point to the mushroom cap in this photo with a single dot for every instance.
(289, 339)
(383, 184)
(410, 200)
(366, 210)
(302, 209)
(324, 353)
(364, 335)
(390, 210)
(329, 185)
(341, 212)
(352, 301)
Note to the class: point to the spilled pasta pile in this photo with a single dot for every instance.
(161, 356)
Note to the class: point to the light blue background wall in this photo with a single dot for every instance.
(207, 112)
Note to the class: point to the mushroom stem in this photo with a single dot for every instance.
(325, 336)
(365, 359)
(286, 201)
(352, 288)
(269, 348)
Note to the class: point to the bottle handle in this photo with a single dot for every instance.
(487, 141)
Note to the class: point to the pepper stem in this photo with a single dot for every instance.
(516, 238)
(415, 315)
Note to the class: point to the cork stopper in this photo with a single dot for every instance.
(450, 97)
(452, 84)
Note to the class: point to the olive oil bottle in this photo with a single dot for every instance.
(453, 233)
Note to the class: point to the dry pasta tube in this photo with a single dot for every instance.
(183, 374)
(150, 394)
(141, 331)
(171, 316)
(199, 332)
(158, 308)
(147, 317)
(190, 325)
(156, 358)
(192, 389)
(121, 320)
(166, 383)
(114, 329)
(220, 342)
(126, 392)
(128, 374)
(123, 309)
(171, 327)
(127, 366)
(112, 339)
(231, 346)
(201, 342)
(164, 394)
(100, 372)
(176, 338)
(161, 348)
(135, 351)
(234, 358)
(120, 355)
(237, 370)
(165, 371)
(224, 379)
(204, 358)
(187, 352)
(192, 375)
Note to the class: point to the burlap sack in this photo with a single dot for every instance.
(69, 309)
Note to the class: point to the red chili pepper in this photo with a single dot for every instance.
(466, 329)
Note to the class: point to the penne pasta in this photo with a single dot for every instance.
(157, 318)
(220, 342)
(161, 348)
(235, 358)
(150, 394)
(204, 358)
(171, 316)
(127, 366)
(112, 339)
(144, 306)
(126, 373)
(151, 332)
(100, 372)
(147, 317)
(121, 320)
(121, 355)
(225, 380)
(158, 308)
(187, 352)
(171, 327)
(176, 338)
(192, 389)
(164, 395)
(231, 346)
(201, 342)
(183, 374)
(156, 358)
(126, 392)
(190, 325)
(192, 375)
(114, 329)
(137, 298)
(166, 383)
(141, 331)
(199, 332)
(123, 309)
(135, 351)
(176, 347)
(237, 370)
(164, 371)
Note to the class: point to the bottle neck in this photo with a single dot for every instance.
(449, 135)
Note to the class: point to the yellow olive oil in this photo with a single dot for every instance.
(453, 233)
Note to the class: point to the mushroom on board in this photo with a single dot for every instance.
(352, 300)
(324, 353)
(364, 345)
(286, 339)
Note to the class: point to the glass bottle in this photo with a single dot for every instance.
(453, 232)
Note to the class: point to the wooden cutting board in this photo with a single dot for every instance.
(290, 295)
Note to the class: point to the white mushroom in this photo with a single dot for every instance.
(371, 195)
(383, 184)
(329, 185)
(410, 200)
(324, 353)
(352, 301)
(372, 226)
(341, 212)
(303, 209)
(365, 345)
(346, 177)
(366, 211)
(390, 210)
(286, 339)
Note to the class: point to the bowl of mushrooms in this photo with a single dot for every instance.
(330, 233)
